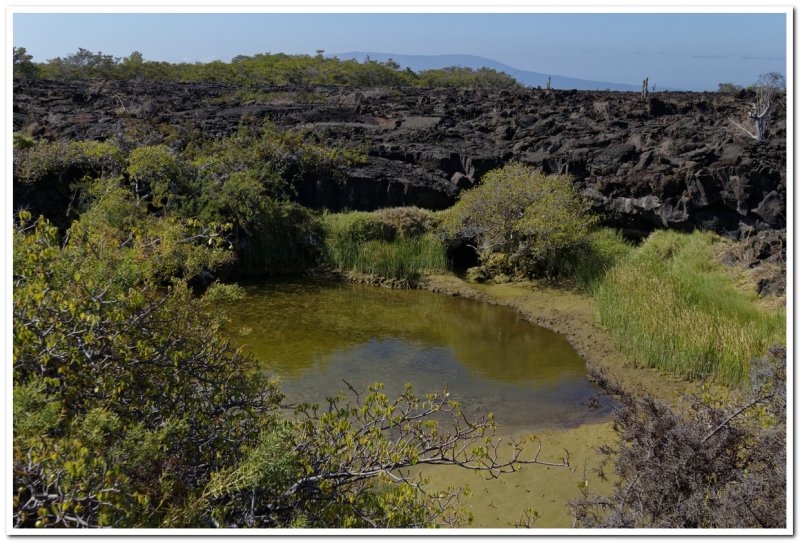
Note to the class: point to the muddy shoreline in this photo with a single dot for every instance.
(558, 308)
(571, 315)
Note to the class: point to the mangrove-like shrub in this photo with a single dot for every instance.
(157, 173)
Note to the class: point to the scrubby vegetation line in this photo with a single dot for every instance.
(262, 69)
(670, 301)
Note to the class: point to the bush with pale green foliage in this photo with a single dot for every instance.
(157, 173)
(35, 161)
(522, 213)
(410, 221)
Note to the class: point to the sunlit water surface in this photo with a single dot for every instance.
(315, 335)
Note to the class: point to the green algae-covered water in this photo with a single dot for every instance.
(315, 335)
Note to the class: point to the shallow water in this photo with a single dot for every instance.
(315, 335)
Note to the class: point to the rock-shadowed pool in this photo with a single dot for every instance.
(315, 335)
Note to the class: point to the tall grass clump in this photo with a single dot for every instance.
(673, 306)
(394, 243)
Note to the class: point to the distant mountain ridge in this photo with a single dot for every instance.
(528, 78)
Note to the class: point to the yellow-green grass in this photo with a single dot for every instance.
(366, 243)
(672, 305)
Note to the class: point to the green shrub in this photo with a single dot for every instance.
(587, 263)
(672, 305)
(157, 173)
(277, 158)
(357, 226)
(729, 88)
(34, 163)
(241, 199)
(137, 395)
(285, 238)
(520, 212)
(22, 142)
(368, 227)
(466, 77)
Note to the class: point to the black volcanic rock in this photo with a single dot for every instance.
(674, 160)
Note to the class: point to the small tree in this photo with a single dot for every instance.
(132, 65)
(23, 65)
(766, 87)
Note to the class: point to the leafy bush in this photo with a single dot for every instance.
(157, 174)
(22, 141)
(284, 238)
(672, 305)
(522, 213)
(410, 221)
(44, 159)
(588, 263)
(729, 88)
(119, 348)
(364, 227)
(466, 77)
(276, 158)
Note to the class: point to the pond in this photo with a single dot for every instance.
(316, 335)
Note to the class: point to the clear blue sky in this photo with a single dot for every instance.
(692, 51)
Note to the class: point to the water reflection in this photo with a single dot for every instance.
(313, 335)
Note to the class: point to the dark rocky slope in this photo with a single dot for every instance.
(674, 160)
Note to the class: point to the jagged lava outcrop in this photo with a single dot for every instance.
(674, 160)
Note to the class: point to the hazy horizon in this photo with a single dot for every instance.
(679, 50)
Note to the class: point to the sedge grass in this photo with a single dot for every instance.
(673, 306)
(361, 241)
